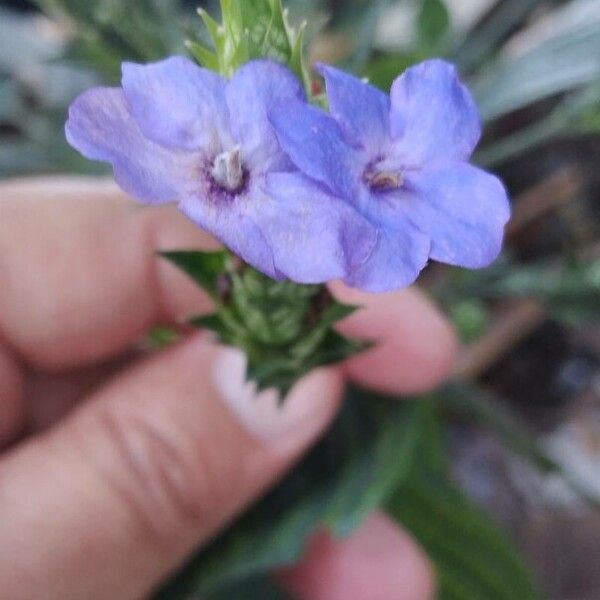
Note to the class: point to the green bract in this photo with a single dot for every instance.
(251, 29)
(283, 328)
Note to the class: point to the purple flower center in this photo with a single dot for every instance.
(226, 174)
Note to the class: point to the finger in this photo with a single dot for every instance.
(116, 497)
(414, 346)
(80, 280)
(12, 411)
(49, 397)
(379, 561)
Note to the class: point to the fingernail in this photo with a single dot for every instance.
(309, 405)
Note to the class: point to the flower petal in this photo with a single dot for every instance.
(362, 110)
(315, 143)
(315, 237)
(177, 103)
(396, 261)
(232, 223)
(463, 210)
(433, 115)
(253, 90)
(101, 127)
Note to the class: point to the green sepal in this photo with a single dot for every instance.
(211, 322)
(251, 29)
(205, 57)
(205, 268)
(285, 329)
(297, 61)
(161, 337)
(433, 24)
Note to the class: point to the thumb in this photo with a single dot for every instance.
(118, 495)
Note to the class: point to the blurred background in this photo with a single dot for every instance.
(523, 412)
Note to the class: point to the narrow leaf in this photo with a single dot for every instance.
(203, 267)
(205, 57)
(473, 558)
(433, 23)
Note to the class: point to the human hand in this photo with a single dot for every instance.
(119, 463)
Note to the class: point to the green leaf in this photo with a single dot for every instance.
(474, 404)
(567, 61)
(282, 327)
(433, 23)
(573, 115)
(297, 61)
(205, 268)
(349, 473)
(335, 348)
(267, 34)
(569, 291)
(161, 337)
(112, 32)
(212, 322)
(362, 17)
(205, 57)
(473, 558)
(382, 71)
(251, 29)
(261, 587)
(470, 317)
(487, 35)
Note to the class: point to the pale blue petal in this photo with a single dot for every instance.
(362, 110)
(315, 237)
(250, 94)
(315, 143)
(231, 222)
(178, 104)
(396, 261)
(462, 209)
(434, 117)
(101, 127)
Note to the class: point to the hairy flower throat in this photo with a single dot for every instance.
(227, 170)
(381, 177)
(384, 180)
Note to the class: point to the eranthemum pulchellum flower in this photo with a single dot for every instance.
(175, 132)
(402, 162)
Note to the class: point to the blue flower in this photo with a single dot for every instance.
(402, 162)
(175, 132)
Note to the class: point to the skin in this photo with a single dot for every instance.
(117, 464)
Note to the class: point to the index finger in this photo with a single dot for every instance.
(79, 279)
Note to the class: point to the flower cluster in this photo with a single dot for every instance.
(367, 192)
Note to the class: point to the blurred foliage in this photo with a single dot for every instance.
(470, 317)
(474, 560)
(260, 587)
(433, 24)
(569, 60)
(107, 32)
(569, 291)
(35, 91)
